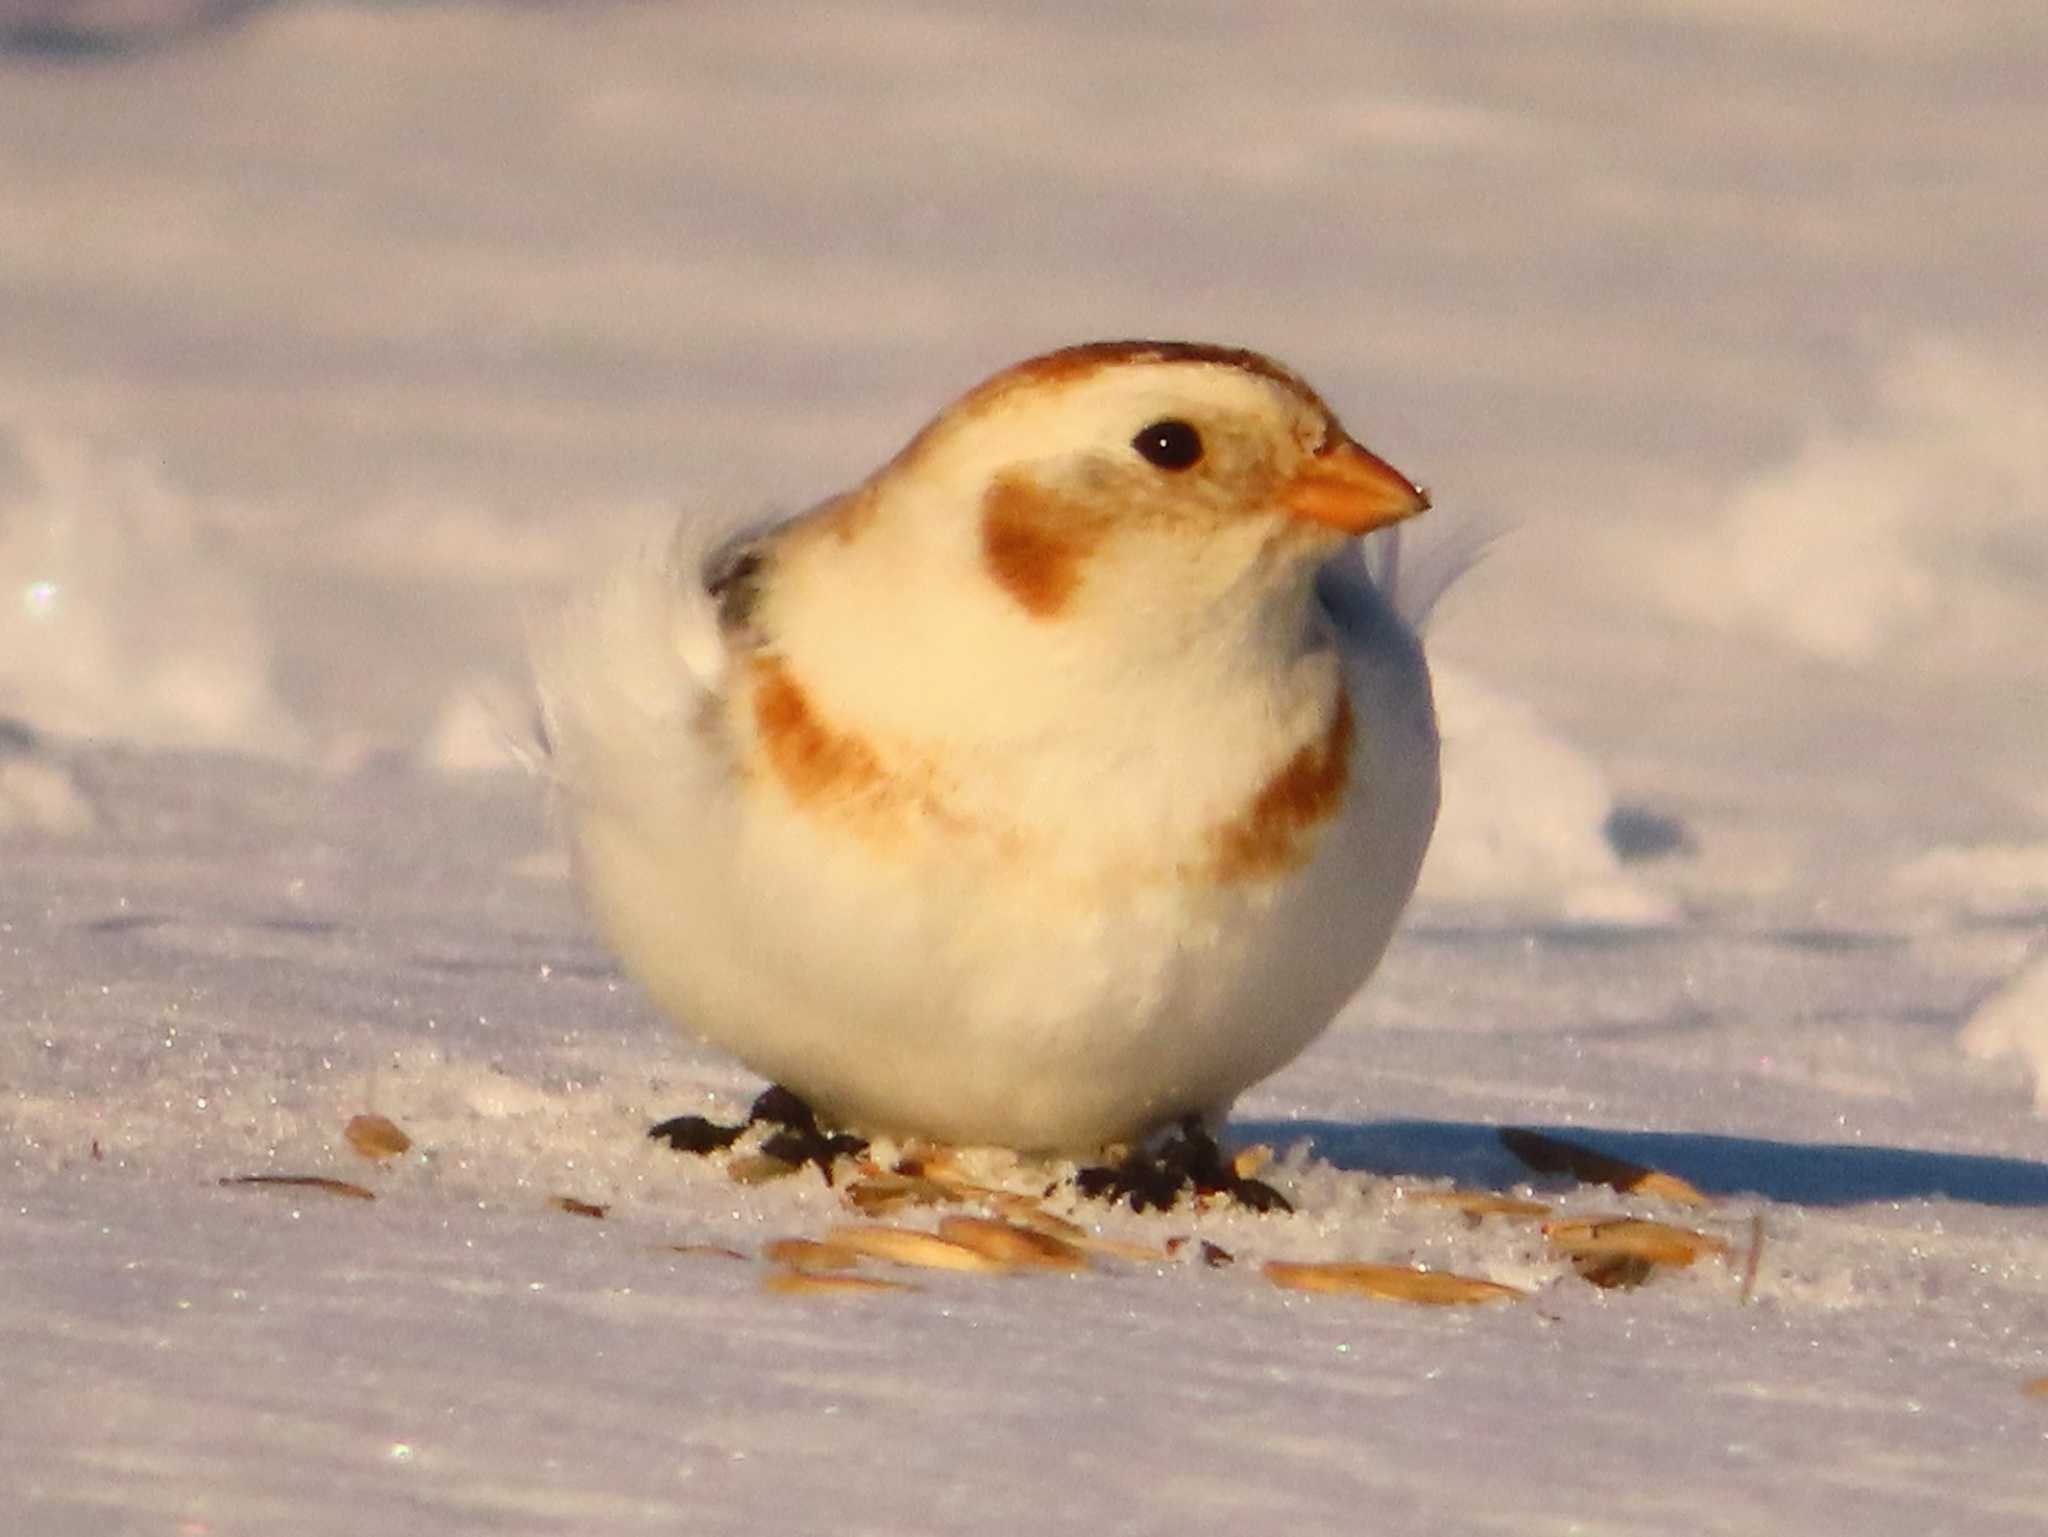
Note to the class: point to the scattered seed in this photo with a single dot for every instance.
(907, 1246)
(759, 1169)
(304, 1182)
(576, 1208)
(810, 1256)
(1025, 1212)
(1012, 1244)
(376, 1137)
(1613, 1272)
(888, 1192)
(1389, 1283)
(1477, 1203)
(1659, 1243)
(704, 1250)
(930, 1161)
(798, 1283)
(1215, 1256)
(2035, 1387)
(1554, 1155)
(1250, 1160)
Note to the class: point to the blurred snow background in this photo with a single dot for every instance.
(336, 340)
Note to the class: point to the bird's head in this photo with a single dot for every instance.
(1101, 507)
(1109, 472)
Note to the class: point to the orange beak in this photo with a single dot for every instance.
(1351, 489)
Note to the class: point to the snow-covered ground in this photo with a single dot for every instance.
(336, 340)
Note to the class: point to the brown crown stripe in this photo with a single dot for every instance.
(1086, 358)
(1078, 362)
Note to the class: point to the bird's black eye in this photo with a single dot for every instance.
(1171, 445)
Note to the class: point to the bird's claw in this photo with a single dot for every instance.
(796, 1138)
(1188, 1159)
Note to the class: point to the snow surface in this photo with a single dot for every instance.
(339, 340)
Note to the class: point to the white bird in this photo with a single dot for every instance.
(1055, 784)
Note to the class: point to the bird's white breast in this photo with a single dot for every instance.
(913, 947)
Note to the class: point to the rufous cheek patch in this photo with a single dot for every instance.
(1273, 834)
(1035, 545)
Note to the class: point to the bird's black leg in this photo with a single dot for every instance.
(797, 1137)
(794, 1136)
(1188, 1159)
(695, 1134)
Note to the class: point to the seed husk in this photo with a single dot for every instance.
(1389, 1283)
(304, 1182)
(1013, 1244)
(1478, 1203)
(810, 1256)
(759, 1168)
(1658, 1243)
(908, 1246)
(1553, 1155)
(1025, 1212)
(576, 1208)
(376, 1137)
(882, 1193)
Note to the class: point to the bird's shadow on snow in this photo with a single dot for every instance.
(1803, 1173)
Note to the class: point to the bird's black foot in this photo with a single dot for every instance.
(795, 1137)
(1189, 1159)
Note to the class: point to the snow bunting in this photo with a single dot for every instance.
(1051, 786)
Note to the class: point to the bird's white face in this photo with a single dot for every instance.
(1105, 509)
(1131, 486)
(1113, 529)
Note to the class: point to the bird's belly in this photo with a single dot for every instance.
(951, 998)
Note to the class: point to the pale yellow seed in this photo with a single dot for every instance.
(376, 1137)
(930, 1160)
(906, 1246)
(1025, 1212)
(353, 1191)
(807, 1254)
(1660, 1243)
(2035, 1387)
(1250, 1160)
(759, 1169)
(888, 1192)
(1388, 1283)
(1477, 1203)
(1012, 1244)
(1669, 1187)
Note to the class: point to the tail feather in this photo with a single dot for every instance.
(626, 670)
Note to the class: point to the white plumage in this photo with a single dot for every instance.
(1040, 791)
